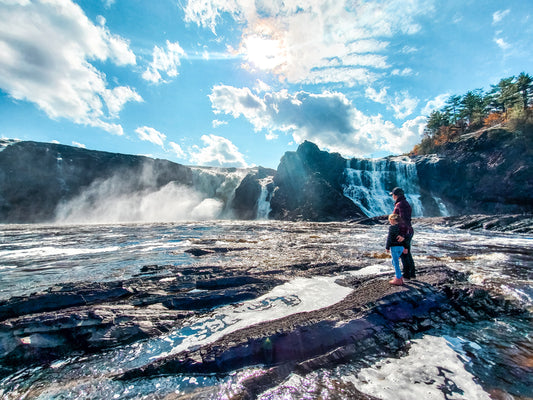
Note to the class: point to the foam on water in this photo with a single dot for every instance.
(432, 370)
(48, 251)
(374, 269)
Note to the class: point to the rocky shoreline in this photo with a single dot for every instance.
(375, 319)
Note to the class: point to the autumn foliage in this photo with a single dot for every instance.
(509, 103)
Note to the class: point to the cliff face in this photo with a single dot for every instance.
(488, 174)
(491, 173)
(247, 195)
(308, 186)
(36, 177)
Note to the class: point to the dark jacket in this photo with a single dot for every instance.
(403, 209)
(394, 231)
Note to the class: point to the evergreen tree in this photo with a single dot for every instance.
(524, 85)
(475, 109)
(504, 95)
(436, 120)
(472, 107)
(453, 107)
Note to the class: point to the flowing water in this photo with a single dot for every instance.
(368, 184)
(492, 359)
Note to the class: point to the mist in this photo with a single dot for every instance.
(134, 197)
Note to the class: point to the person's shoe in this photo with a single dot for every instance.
(397, 282)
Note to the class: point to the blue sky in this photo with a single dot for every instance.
(240, 82)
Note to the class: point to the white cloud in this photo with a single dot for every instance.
(271, 136)
(403, 104)
(166, 61)
(206, 13)
(236, 102)
(329, 119)
(318, 41)
(373, 95)
(177, 150)
(436, 104)
(261, 86)
(80, 145)
(402, 72)
(47, 47)
(216, 123)
(117, 97)
(502, 44)
(499, 15)
(151, 135)
(409, 50)
(218, 151)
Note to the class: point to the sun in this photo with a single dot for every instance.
(264, 52)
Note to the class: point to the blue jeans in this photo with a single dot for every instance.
(396, 252)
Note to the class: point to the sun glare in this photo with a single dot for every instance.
(264, 53)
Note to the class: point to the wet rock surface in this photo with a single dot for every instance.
(512, 223)
(205, 318)
(375, 318)
(88, 317)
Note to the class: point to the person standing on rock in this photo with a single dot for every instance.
(397, 229)
(403, 209)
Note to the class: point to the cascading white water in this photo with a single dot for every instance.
(263, 203)
(368, 184)
(113, 200)
(217, 183)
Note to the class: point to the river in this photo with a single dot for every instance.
(492, 359)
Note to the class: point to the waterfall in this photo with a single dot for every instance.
(135, 198)
(218, 183)
(368, 184)
(263, 202)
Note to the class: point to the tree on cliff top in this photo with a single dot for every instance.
(509, 104)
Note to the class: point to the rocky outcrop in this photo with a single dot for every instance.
(36, 177)
(512, 223)
(83, 317)
(308, 186)
(488, 173)
(376, 318)
(245, 201)
(485, 174)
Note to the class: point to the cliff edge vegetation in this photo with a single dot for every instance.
(506, 108)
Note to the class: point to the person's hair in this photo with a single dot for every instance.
(395, 217)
